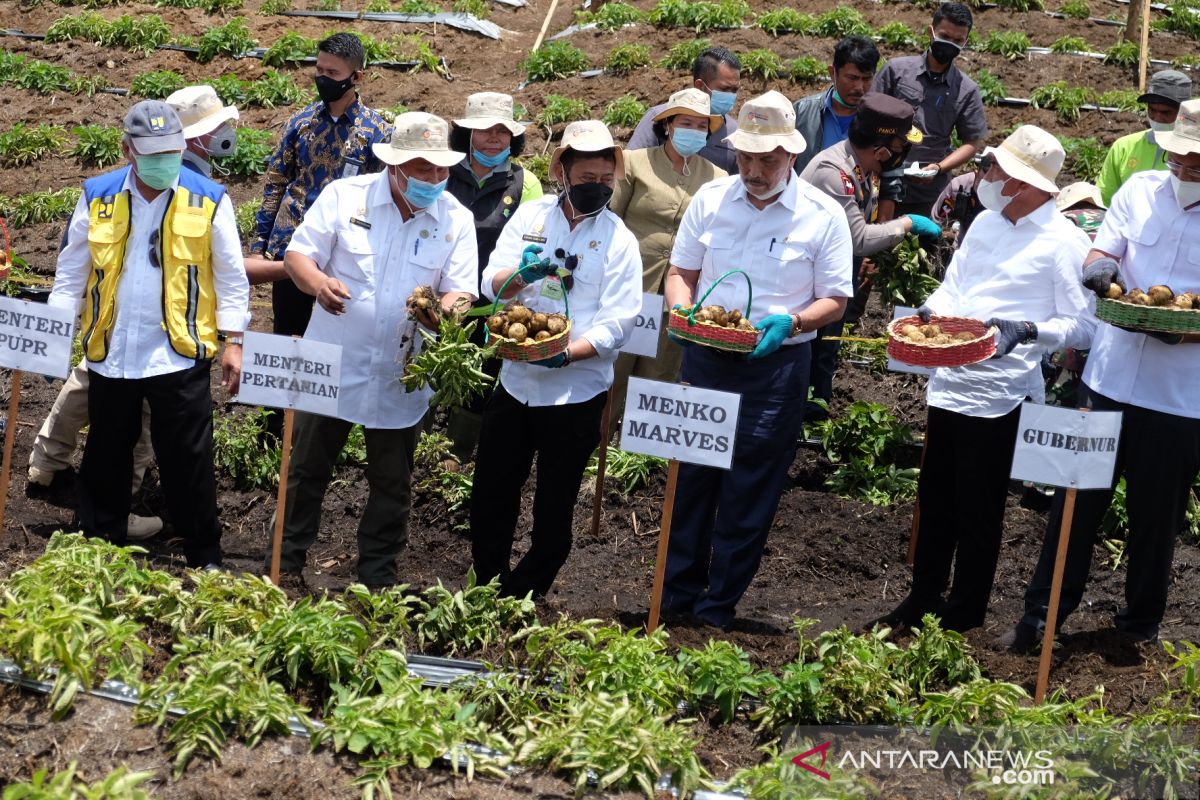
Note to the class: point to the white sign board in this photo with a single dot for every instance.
(681, 422)
(1064, 447)
(644, 339)
(284, 372)
(35, 337)
(899, 366)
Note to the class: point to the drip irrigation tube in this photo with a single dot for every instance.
(466, 22)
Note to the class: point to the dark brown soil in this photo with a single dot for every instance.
(836, 560)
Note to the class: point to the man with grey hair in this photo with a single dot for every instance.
(160, 244)
(793, 241)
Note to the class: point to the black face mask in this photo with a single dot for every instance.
(589, 198)
(897, 159)
(944, 52)
(331, 90)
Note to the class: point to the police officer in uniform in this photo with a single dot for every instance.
(879, 139)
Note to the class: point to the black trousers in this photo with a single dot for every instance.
(825, 352)
(723, 517)
(962, 490)
(181, 416)
(290, 308)
(562, 438)
(1159, 455)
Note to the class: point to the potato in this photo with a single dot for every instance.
(734, 317)
(541, 336)
(538, 322)
(1185, 300)
(717, 315)
(744, 324)
(517, 332)
(1160, 295)
(930, 330)
(556, 324)
(1138, 297)
(497, 323)
(703, 315)
(907, 330)
(1114, 292)
(915, 335)
(518, 313)
(964, 336)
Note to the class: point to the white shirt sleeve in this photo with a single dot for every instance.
(1111, 238)
(316, 235)
(1074, 321)
(620, 296)
(944, 300)
(461, 271)
(229, 271)
(834, 265)
(688, 251)
(74, 262)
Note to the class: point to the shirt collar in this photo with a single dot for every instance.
(350, 113)
(1040, 216)
(936, 76)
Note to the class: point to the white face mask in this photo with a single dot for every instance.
(774, 190)
(1161, 127)
(1186, 192)
(991, 195)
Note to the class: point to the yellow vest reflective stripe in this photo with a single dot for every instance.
(184, 253)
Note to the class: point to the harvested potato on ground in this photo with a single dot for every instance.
(1160, 295)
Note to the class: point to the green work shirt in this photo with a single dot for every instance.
(1129, 154)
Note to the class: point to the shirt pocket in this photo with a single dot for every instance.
(426, 262)
(719, 254)
(188, 241)
(789, 269)
(358, 267)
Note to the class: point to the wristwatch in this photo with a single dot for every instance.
(797, 325)
(237, 340)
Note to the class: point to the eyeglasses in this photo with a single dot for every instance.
(1182, 171)
(570, 262)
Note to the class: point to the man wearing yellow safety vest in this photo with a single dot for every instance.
(152, 258)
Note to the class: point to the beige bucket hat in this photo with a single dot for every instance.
(691, 101)
(488, 109)
(1184, 138)
(1032, 155)
(766, 122)
(588, 136)
(1077, 193)
(416, 134)
(200, 110)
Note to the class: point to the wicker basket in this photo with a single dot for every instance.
(6, 252)
(957, 354)
(529, 350)
(683, 325)
(1160, 319)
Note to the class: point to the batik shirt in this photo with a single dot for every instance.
(315, 149)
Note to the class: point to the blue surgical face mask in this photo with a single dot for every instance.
(491, 162)
(422, 194)
(158, 170)
(688, 141)
(721, 102)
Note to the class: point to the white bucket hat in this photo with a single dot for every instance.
(588, 136)
(416, 134)
(1031, 155)
(200, 110)
(691, 101)
(1077, 193)
(488, 109)
(766, 122)
(1184, 138)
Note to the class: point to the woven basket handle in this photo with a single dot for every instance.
(749, 295)
(487, 332)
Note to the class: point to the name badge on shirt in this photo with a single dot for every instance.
(552, 288)
(351, 167)
(362, 223)
(533, 237)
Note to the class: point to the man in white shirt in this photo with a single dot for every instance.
(363, 247)
(152, 257)
(794, 243)
(1018, 269)
(551, 409)
(1150, 236)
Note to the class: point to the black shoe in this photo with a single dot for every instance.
(1020, 639)
(1138, 635)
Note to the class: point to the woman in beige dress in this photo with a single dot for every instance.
(659, 184)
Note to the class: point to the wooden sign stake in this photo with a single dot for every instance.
(601, 465)
(10, 433)
(1144, 49)
(289, 417)
(664, 538)
(1060, 563)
